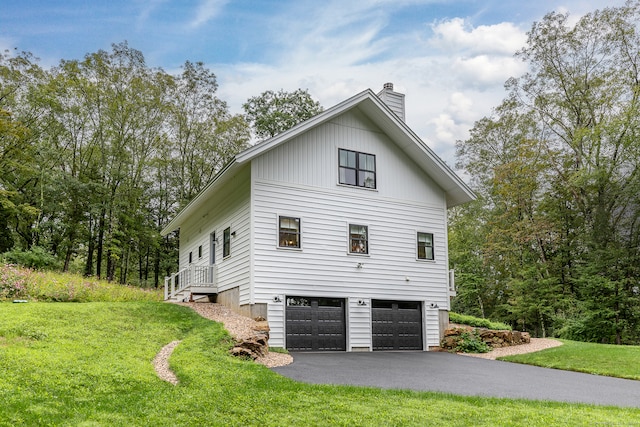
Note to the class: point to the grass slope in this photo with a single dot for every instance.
(90, 365)
(600, 359)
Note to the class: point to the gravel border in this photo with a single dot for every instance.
(161, 363)
(536, 344)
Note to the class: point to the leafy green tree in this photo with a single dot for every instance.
(273, 112)
(557, 165)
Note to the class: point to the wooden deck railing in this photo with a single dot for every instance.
(192, 277)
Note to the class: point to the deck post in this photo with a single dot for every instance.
(166, 287)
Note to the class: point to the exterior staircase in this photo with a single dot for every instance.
(190, 283)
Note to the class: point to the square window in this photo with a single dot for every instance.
(288, 232)
(357, 169)
(358, 239)
(226, 242)
(425, 246)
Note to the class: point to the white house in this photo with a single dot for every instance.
(335, 231)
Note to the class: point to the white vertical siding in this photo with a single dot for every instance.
(229, 208)
(432, 326)
(312, 160)
(275, 312)
(359, 321)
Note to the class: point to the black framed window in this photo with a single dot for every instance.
(425, 246)
(190, 257)
(226, 242)
(200, 251)
(358, 239)
(288, 232)
(357, 169)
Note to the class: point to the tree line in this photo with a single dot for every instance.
(96, 155)
(552, 245)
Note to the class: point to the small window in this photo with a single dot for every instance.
(298, 302)
(289, 232)
(190, 257)
(357, 169)
(226, 242)
(200, 251)
(425, 246)
(358, 239)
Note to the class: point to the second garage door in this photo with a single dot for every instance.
(397, 325)
(315, 324)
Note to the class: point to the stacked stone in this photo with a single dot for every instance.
(493, 338)
(256, 345)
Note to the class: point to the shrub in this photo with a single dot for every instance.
(470, 342)
(36, 257)
(477, 322)
(13, 282)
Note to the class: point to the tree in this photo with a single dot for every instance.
(97, 154)
(274, 112)
(558, 165)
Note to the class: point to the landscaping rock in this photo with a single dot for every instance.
(254, 347)
(493, 338)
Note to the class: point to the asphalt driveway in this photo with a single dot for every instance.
(462, 375)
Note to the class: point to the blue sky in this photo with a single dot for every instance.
(450, 58)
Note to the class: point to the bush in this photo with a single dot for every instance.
(36, 257)
(13, 282)
(470, 342)
(477, 322)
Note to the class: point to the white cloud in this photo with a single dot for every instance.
(487, 71)
(348, 50)
(207, 10)
(504, 38)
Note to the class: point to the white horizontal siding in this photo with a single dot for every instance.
(359, 322)
(229, 208)
(324, 268)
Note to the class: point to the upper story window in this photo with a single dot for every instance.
(288, 232)
(226, 242)
(358, 239)
(357, 169)
(425, 246)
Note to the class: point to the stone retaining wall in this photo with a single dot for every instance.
(493, 338)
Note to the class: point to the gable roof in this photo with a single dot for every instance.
(456, 191)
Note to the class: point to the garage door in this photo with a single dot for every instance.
(397, 325)
(315, 324)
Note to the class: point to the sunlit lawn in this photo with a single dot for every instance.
(602, 359)
(91, 364)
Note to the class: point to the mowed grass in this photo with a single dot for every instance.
(90, 364)
(600, 359)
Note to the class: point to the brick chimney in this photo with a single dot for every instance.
(394, 100)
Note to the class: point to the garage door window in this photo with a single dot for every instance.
(298, 302)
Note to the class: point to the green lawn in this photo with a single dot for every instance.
(89, 364)
(601, 359)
